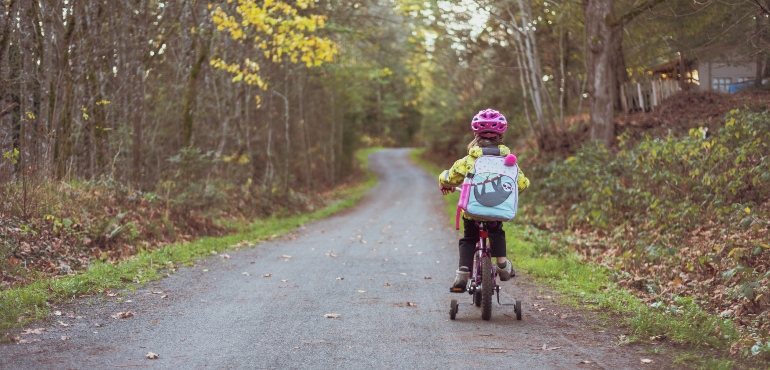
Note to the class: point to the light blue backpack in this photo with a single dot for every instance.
(490, 191)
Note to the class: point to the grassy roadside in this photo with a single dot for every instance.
(547, 257)
(32, 302)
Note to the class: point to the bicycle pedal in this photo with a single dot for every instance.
(456, 290)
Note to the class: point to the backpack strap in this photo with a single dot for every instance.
(490, 151)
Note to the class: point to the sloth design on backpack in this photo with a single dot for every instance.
(490, 191)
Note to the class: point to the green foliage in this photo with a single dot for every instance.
(12, 156)
(665, 187)
(670, 209)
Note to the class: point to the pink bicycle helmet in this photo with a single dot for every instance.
(488, 123)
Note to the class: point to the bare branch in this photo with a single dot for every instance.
(8, 110)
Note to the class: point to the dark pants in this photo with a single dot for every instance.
(471, 237)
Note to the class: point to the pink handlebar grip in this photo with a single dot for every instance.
(457, 218)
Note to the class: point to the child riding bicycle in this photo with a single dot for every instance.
(488, 127)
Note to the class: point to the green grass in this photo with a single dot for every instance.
(547, 257)
(34, 301)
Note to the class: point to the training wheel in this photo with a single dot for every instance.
(517, 308)
(453, 309)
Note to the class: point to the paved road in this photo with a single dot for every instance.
(384, 267)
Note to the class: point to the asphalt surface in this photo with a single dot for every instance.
(384, 267)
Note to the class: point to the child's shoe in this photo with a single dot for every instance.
(461, 279)
(505, 270)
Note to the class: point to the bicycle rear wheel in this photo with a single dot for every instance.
(487, 288)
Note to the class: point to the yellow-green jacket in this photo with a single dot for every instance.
(455, 175)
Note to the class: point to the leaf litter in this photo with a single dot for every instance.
(123, 315)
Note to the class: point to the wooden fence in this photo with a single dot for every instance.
(646, 95)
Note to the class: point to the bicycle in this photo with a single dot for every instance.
(483, 280)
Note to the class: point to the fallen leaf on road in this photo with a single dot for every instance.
(151, 355)
(411, 304)
(284, 280)
(340, 278)
(64, 337)
(426, 277)
(267, 275)
(33, 331)
(646, 361)
(387, 284)
(545, 348)
(158, 292)
(332, 315)
(57, 313)
(563, 316)
(245, 274)
(63, 324)
(98, 325)
(585, 362)
(123, 315)
(164, 296)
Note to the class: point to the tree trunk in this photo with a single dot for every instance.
(288, 141)
(600, 71)
(5, 21)
(62, 144)
(761, 54)
(191, 95)
(681, 66)
(138, 130)
(618, 63)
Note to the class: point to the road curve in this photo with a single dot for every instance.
(384, 267)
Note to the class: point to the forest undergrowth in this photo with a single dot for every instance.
(680, 216)
(50, 229)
